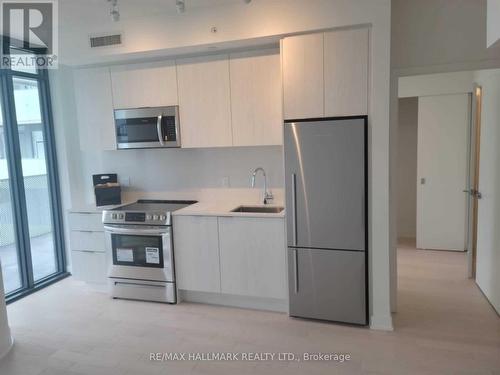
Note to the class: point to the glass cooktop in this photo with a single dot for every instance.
(152, 205)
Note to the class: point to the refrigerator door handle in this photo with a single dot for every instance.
(363, 211)
(294, 209)
(296, 270)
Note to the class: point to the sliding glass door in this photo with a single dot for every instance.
(31, 242)
(9, 255)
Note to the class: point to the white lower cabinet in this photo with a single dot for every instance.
(238, 256)
(88, 247)
(196, 244)
(87, 240)
(89, 266)
(252, 257)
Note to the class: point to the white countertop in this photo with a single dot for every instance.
(211, 202)
(224, 209)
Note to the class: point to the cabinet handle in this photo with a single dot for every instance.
(138, 284)
(296, 270)
(158, 129)
(294, 208)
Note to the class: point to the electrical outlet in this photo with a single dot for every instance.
(225, 182)
(124, 181)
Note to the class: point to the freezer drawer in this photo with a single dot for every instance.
(328, 285)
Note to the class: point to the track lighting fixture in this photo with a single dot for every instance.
(181, 6)
(114, 13)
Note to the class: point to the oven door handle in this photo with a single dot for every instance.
(137, 230)
(159, 130)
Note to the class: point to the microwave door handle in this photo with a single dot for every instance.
(158, 129)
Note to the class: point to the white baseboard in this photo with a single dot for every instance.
(256, 303)
(381, 323)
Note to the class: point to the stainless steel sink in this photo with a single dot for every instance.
(258, 209)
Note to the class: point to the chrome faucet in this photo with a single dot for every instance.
(267, 196)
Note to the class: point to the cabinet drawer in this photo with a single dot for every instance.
(89, 266)
(87, 240)
(86, 221)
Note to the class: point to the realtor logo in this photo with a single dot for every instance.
(29, 26)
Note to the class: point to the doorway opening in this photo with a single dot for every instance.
(447, 198)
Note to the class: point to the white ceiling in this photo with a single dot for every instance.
(134, 8)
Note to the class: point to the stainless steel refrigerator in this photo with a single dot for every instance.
(326, 200)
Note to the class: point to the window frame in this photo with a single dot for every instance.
(16, 180)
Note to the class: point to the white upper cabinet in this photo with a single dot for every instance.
(326, 74)
(144, 85)
(346, 72)
(256, 98)
(94, 106)
(303, 82)
(204, 101)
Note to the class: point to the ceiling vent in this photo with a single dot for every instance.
(105, 40)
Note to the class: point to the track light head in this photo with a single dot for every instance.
(114, 13)
(181, 6)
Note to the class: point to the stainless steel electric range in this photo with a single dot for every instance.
(140, 251)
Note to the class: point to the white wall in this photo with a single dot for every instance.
(436, 84)
(407, 167)
(174, 169)
(493, 20)
(439, 32)
(149, 32)
(488, 241)
(154, 28)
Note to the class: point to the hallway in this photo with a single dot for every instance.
(439, 307)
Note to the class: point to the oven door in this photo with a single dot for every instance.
(147, 127)
(140, 252)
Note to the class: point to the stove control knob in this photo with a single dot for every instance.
(121, 216)
(148, 217)
(155, 217)
(163, 217)
(113, 216)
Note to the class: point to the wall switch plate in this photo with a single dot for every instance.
(225, 182)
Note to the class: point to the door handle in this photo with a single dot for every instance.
(474, 193)
(158, 130)
(294, 209)
(296, 270)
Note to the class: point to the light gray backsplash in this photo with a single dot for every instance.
(177, 169)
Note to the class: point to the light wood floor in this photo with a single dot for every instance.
(444, 326)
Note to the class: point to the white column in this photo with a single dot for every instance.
(5, 337)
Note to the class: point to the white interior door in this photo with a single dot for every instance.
(443, 126)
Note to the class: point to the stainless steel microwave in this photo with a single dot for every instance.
(152, 127)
